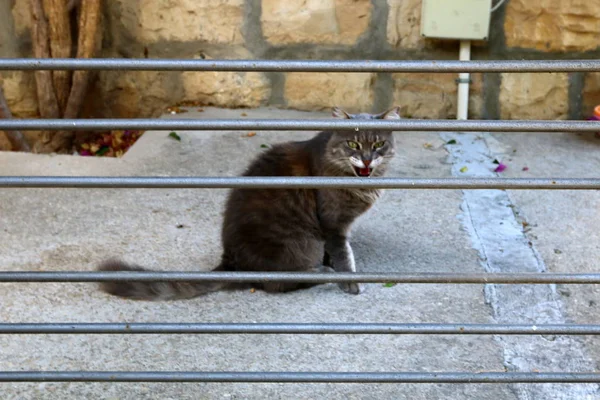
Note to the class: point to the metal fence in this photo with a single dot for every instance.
(296, 182)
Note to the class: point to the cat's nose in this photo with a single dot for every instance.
(367, 163)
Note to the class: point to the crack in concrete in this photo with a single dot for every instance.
(496, 233)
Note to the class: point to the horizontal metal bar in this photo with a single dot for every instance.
(257, 277)
(301, 65)
(300, 125)
(300, 377)
(305, 328)
(138, 182)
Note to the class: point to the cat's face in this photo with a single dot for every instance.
(363, 153)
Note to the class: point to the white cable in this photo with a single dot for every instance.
(497, 6)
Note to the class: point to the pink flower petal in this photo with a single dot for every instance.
(501, 167)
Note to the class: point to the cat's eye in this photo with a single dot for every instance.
(378, 145)
(353, 145)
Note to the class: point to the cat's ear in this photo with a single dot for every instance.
(392, 113)
(339, 113)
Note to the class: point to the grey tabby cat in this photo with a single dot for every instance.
(289, 229)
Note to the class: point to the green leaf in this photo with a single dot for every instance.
(102, 151)
(175, 136)
(496, 161)
(389, 284)
(264, 146)
(452, 141)
(464, 169)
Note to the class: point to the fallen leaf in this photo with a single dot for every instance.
(452, 141)
(501, 167)
(103, 151)
(251, 134)
(252, 290)
(427, 145)
(464, 169)
(389, 284)
(175, 136)
(244, 114)
(200, 110)
(557, 251)
(525, 168)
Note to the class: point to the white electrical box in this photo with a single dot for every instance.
(456, 19)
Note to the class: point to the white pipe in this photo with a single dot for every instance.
(463, 82)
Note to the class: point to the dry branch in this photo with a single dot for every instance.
(45, 89)
(60, 46)
(89, 23)
(47, 102)
(58, 94)
(72, 4)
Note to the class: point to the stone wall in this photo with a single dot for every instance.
(322, 29)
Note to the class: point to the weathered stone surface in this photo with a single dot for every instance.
(318, 91)
(404, 24)
(20, 94)
(4, 142)
(591, 93)
(551, 25)
(534, 96)
(226, 89)
(133, 94)
(149, 21)
(315, 21)
(21, 16)
(19, 90)
(422, 95)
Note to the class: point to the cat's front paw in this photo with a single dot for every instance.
(352, 288)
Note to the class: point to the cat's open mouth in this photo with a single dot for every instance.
(363, 172)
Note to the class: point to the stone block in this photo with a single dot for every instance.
(226, 89)
(534, 96)
(20, 93)
(133, 94)
(434, 96)
(553, 25)
(150, 21)
(404, 24)
(21, 16)
(315, 21)
(4, 142)
(320, 91)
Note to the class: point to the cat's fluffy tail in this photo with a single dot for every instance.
(155, 290)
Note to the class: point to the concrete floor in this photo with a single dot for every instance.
(407, 231)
